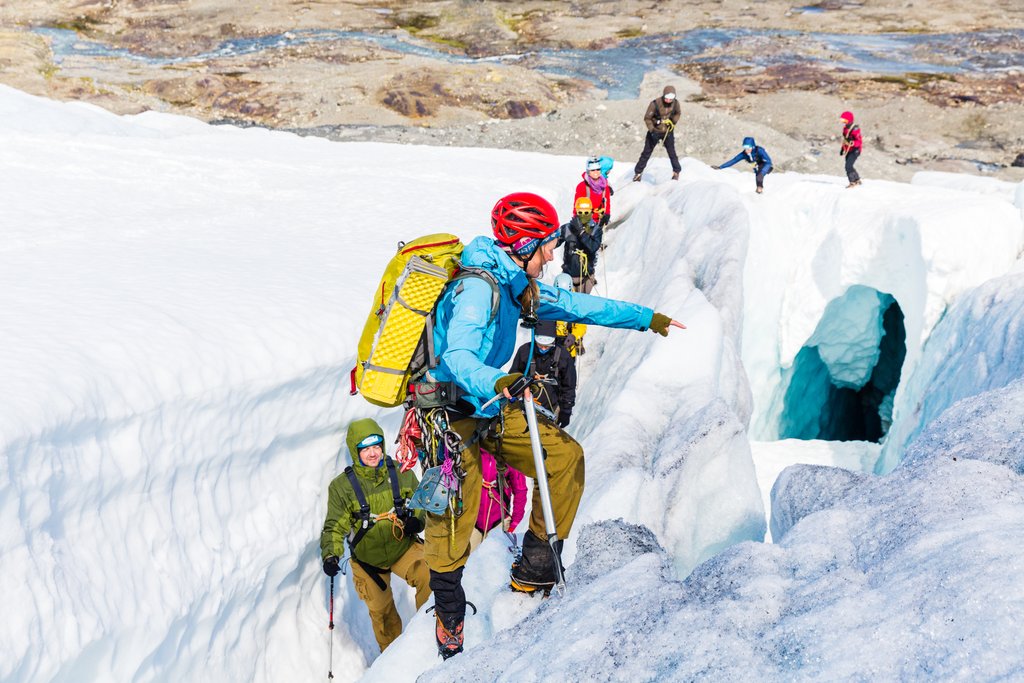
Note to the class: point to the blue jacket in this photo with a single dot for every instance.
(762, 162)
(470, 350)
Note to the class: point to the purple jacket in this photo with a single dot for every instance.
(490, 505)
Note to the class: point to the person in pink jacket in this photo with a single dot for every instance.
(494, 510)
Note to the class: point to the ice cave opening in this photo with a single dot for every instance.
(842, 382)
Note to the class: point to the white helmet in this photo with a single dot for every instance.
(593, 164)
(563, 281)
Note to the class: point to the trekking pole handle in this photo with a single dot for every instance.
(513, 389)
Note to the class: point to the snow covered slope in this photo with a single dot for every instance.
(181, 302)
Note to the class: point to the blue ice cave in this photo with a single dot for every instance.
(842, 382)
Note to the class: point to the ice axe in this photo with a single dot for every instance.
(542, 483)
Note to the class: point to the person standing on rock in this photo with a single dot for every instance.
(852, 146)
(661, 119)
(752, 154)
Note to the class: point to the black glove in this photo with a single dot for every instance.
(716, 167)
(331, 567)
(604, 220)
(411, 524)
(563, 419)
(842, 152)
(515, 383)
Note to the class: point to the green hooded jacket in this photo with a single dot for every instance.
(379, 547)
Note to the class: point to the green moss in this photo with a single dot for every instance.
(905, 29)
(415, 23)
(450, 42)
(912, 80)
(629, 33)
(514, 22)
(49, 70)
(80, 24)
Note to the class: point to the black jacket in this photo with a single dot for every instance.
(576, 237)
(559, 367)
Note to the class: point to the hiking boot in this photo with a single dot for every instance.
(855, 183)
(636, 177)
(535, 569)
(760, 190)
(449, 639)
(675, 175)
(528, 589)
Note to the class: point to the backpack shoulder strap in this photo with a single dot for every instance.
(364, 510)
(488, 277)
(393, 478)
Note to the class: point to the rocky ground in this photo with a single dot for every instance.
(351, 90)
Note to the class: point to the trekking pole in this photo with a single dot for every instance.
(542, 484)
(330, 627)
(604, 271)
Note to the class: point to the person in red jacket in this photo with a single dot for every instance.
(596, 188)
(852, 145)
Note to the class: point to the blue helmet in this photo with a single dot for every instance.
(606, 165)
(749, 142)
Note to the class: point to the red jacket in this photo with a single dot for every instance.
(602, 202)
(852, 138)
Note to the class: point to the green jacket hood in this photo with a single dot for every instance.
(359, 430)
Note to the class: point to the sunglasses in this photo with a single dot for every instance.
(584, 213)
(371, 440)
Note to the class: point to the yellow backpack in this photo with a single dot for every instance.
(577, 330)
(397, 340)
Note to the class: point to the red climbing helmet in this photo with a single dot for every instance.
(521, 219)
(847, 116)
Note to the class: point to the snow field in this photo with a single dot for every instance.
(182, 304)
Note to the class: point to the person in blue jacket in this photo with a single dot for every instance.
(755, 155)
(474, 336)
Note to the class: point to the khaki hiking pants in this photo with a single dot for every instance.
(387, 625)
(564, 465)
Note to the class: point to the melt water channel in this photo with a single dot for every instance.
(619, 69)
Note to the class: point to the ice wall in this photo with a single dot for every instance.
(668, 447)
(911, 576)
(811, 241)
(978, 346)
(842, 384)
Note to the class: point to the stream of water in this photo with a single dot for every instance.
(621, 68)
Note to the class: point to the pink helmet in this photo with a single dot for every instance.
(847, 116)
